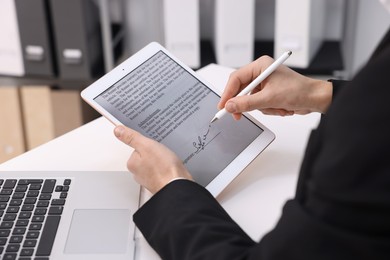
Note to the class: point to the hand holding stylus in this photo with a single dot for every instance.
(282, 92)
(256, 82)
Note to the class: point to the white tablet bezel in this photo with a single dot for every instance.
(108, 80)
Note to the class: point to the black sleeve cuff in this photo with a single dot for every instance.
(337, 85)
(183, 219)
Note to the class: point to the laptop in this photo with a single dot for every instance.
(67, 215)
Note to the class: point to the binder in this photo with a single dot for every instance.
(143, 23)
(78, 39)
(49, 113)
(37, 115)
(35, 37)
(301, 30)
(11, 126)
(11, 59)
(67, 110)
(181, 30)
(233, 37)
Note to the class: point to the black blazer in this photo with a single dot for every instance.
(342, 205)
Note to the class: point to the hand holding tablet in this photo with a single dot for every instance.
(155, 94)
(152, 163)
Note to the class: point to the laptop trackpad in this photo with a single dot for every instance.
(98, 231)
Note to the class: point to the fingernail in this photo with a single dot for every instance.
(118, 131)
(231, 107)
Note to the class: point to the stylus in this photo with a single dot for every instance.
(256, 82)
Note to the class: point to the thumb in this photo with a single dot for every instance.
(241, 104)
(128, 136)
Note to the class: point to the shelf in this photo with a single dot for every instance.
(117, 44)
(326, 62)
(44, 81)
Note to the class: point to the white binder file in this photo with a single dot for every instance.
(299, 28)
(138, 32)
(181, 30)
(234, 32)
(11, 58)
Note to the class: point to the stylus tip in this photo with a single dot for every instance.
(214, 119)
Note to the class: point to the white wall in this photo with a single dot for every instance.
(373, 20)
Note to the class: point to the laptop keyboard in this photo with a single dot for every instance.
(30, 212)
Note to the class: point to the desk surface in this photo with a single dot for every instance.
(254, 199)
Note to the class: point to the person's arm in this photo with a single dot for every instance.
(151, 162)
(182, 217)
(184, 221)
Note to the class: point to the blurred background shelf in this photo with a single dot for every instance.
(75, 50)
(326, 62)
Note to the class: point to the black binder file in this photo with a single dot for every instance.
(77, 35)
(36, 45)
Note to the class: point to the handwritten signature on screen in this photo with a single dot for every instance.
(202, 141)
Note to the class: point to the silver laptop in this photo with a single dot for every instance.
(67, 215)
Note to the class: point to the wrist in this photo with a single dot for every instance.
(175, 174)
(175, 179)
(322, 96)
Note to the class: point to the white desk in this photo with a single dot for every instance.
(254, 199)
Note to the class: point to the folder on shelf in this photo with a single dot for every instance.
(143, 23)
(301, 30)
(35, 37)
(67, 110)
(181, 30)
(11, 59)
(49, 113)
(11, 125)
(77, 35)
(37, 115)
(234, 32)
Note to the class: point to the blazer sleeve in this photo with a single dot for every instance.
(337, 86)
(184, 221)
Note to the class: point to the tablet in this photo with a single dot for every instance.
(156, 94)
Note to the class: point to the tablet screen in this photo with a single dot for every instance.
(163, 101)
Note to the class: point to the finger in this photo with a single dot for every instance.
(237, 116)
(134, 162)
(129, 136)
(277, 112)
(232, 88)
(241, 104)
(237, 81)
